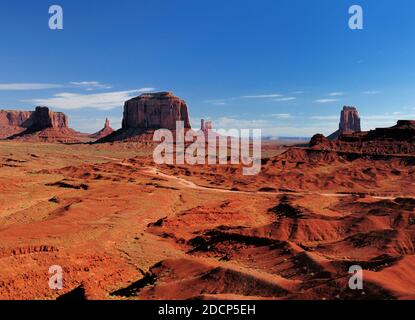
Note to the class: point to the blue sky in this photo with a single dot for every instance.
(286, 66)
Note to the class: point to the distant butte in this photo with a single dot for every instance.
(107, 130)
(398, 140)
(349, 122)
(147, 113)
(13, 122)
(42, 125)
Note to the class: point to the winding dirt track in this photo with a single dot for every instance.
(191, 185)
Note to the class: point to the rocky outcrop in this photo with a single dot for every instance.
(43, 125)
(107, 130)
(31, 121)
(397, 140)
(320, 141)
(155, 111)
(349, 122)
(13, 122)
(43, 118)
(14, 118)
(147, 113)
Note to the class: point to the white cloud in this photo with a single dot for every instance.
(326, 100)
(90, 85)
(272, 127)
(218, 102)
(282, 115)
(285, 99)
(325, 117)
(85, 83)
(336, 94)
(28, 86)
(102, 101)
(235, 123)
(371, 92)
(263, 96)
(145, 90)
(389, 116)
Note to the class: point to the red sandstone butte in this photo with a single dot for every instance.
(149, 112)
(43, 118)
(26, 122)
(44, 125)
(349, 123)
(155, 111)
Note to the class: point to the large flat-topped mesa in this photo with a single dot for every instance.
(158, 110)
(147, 113)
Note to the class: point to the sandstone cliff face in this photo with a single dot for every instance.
(14, 118)
(41, 125)
(149, 112)
(320, 141)
(42, 118)
(399, 139)
(349, 122)
(155, 111)
(32, 121)
(13, 122)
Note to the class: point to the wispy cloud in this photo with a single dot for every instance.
(325, 117)
(336, 94)
(102, 101)
(90, 85)
(371, 92)
(218, 102)
(237, 123)
(285, 99)
(28, 86)
(145, 90)
(282, 115)
(271, 97)
(326, 100)
(263, 96)
(389, 116)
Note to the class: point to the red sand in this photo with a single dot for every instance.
(124, 229)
